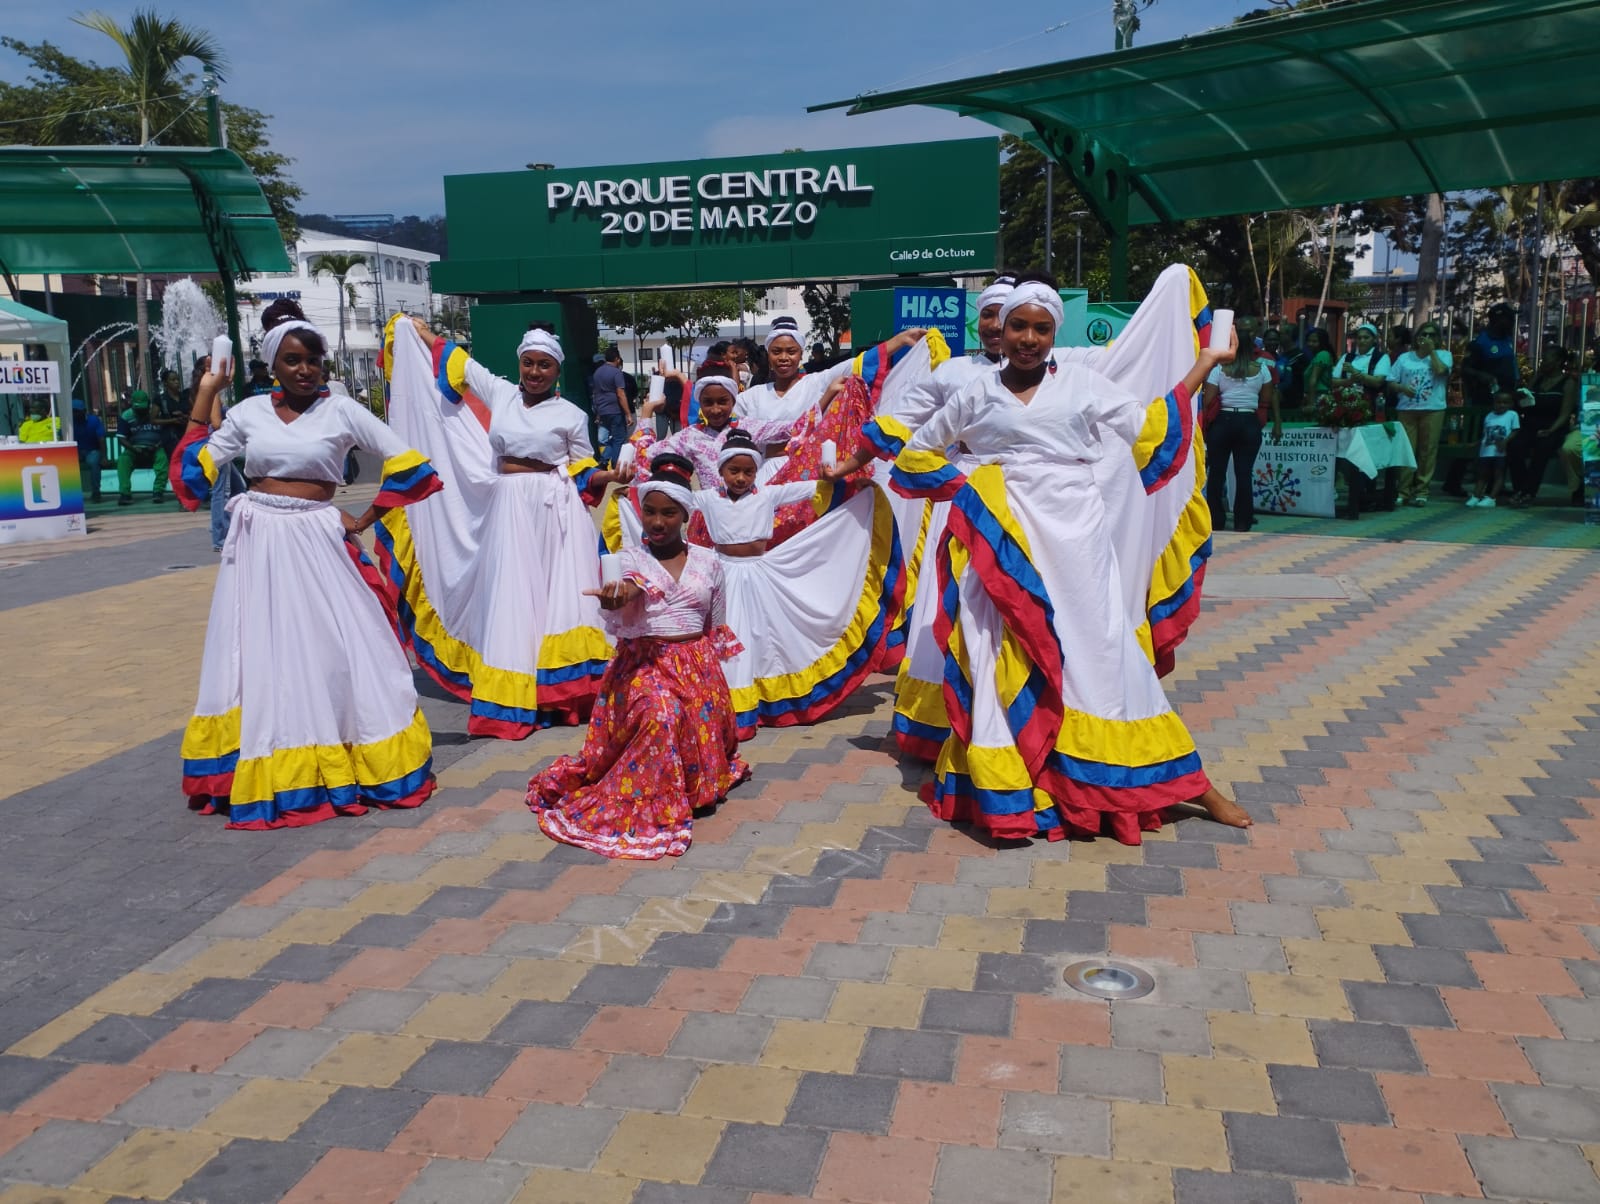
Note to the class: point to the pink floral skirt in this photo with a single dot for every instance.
(661, 745)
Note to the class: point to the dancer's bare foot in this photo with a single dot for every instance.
(1223, 809)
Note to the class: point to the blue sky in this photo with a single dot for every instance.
(376, 102)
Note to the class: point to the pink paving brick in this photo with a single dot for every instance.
(1189, 915)
(304, 1004)
(1062, 1021)
(865, 894)
(948, 1113)
(356, 1177)
(766, 955)
(865, 1169)
(1499, 1012)
(1541, 939)
(1408, 1160)
(551, 1076)
(1333, 1193)
(823, 924)
(529, 906)
(691, 990)
(88, 1092)
(382, 969)
(461, 935)
(1176, 947)
(1009, 1064)
(457, 1126)
(1220, 884)
(198, 1045)
(1513, 973)
(16, 1129)
(921, 867)
(631, 1030)
(1442, 1105)
(1484, 1056)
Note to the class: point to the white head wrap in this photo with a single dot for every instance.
(997, 293)
(541, 340)
(671, 489)
(273, 339)
(726, 382)
(1033, 292)
(734, 451)
(782, 327)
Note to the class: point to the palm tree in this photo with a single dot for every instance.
(338, 265)
(150, 82)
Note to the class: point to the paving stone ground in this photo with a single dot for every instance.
(1387, 990)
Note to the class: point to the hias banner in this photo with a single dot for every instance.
(1296, 474)
(944, 309)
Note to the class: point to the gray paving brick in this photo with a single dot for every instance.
(1410, 1004)
(281, 1053)
(251, 1172)
(993, 871)
(457, 1068)
(61, 1150)
(1108, 907)
(1578, 1019)
(714, 1037)
(608, 911)
(859, 963)
(1367, 844)
(684, 1193)
(1322, 1093)
(857, 1102)
(791, 998)
(176, 1100)
(324, 892)
(387, 932)
(702, 950)
(940, 900)
(215, 999)
(1364, 1046)
(306, 963)
(1223, 952)
(1586, 974)
(1532, 1170)
(459, 973)
(1016, 974)
(764, 1158)
(1115, 1073)
(629, 986)
(1556, 1113)
(1065, 936)
(534, 940)
(361, 1118)
(1183, 854)
(1274, 919)
(757, 919)
(1475, 901)
(1430, 967)
(115, 1039)
(1451, 932)
(1204, 989)
(524, 875)
(1159, 1028)
(1347, 866)
(887, 928)
(966, 1175)
(1144, 879)
(1054, 1124)
(375, 1011)
(1229, 1187)
(23, 1078)
(240, 922)
(899, 1053)
(1307, 892)
(535, 1022)
(1282, 1145)
(644, 1084)
(449, 1180)
(395, 867)
(557, 1135)
(973, 1012)
(1499, 875)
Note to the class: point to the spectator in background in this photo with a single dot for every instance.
(1492, 357)
(739, 360)
(1368, 366)
(1318, 356)
(171, 410)
(1499, 426)
(90, 433)
(820, 360)
(1421, 378)
(39, 426)
(1241, 388)
(1550, 405)
(608, 398)
(141, 446)
(1396, 343)
(260, 379)
(1291, 369)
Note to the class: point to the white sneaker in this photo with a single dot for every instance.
(1472, 503)
(1419, 501)
(1486, 504)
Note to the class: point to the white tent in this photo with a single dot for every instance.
(20, 325)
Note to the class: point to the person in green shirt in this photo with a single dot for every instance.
(141, 441)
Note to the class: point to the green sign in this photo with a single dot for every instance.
(879, 211)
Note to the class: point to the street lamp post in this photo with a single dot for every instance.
(1049, 213)
(1077, 216)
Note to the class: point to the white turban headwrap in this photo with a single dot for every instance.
(1033, 292)
(781, 329)
(541, 340)
(671, 489)
(273, 339)
(734, 451)
(997, 293)
(726, 382)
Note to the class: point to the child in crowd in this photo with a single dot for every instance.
(1498, 427)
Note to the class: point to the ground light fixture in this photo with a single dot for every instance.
(1109, 980)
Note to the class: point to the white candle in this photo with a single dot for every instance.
(1221, 328)
(222, 354)
(610, 569)
(665, 358)
(830, 453)
(625, 457)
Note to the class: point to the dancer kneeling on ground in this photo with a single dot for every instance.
(1058, 721)
(813, 612)
(307, 708)
(662, 743)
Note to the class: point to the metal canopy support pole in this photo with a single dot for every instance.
(1102, 179)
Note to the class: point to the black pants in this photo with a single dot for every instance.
(1528, 455)
(1235, 435)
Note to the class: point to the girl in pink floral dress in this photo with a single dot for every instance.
(662, 742)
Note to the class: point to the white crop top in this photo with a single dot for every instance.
(553, 430)
(669, 609)
(312, 448)
(750, 517)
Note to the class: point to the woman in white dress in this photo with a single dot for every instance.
(492, 579)
(306, 708)
(1058, 721)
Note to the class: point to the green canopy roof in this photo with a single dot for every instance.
(126, 210)
(1382, 98)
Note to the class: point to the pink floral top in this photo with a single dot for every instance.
(700, 444)
(668, 609)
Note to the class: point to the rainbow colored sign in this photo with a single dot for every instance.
(41, 492)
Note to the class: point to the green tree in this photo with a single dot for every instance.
(829, 311)
(684, 315)
(338, 265)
